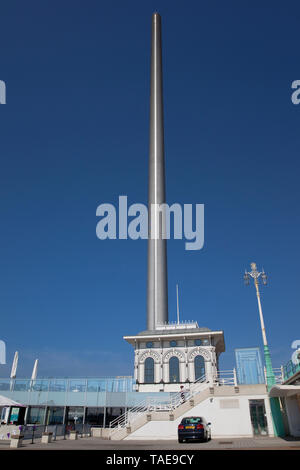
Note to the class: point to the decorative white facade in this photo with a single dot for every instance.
(172, 356)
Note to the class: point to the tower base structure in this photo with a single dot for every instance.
(175, 355)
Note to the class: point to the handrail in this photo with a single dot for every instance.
(279, 375)
(225, 377)
(123, 418)
(184, 395)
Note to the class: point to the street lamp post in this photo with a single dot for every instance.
(255, 275)
(274, 402)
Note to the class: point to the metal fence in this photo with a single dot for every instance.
(33, 431)
(290, 369)
(79, 385)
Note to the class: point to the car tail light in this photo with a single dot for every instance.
(180, 426)
(199, 426)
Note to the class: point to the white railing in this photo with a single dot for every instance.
(279, 376)
(278, 372)
(185, 395)
(226, 377)
(123, 420)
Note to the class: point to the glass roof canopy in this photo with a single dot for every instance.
(75, 385)
(87, 392)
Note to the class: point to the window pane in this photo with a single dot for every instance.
(95, 416)
(149, 370)
(199, 367)
(193, 420)
(174, 369)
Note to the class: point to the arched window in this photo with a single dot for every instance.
(174, 369)
(149, 370)
(199, 367)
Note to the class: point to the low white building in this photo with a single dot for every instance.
(233, 412)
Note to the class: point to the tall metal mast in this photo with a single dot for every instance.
(157, 285)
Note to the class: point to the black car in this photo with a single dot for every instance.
(194, 427)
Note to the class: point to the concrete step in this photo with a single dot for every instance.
(123, 432)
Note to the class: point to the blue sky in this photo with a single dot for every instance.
(74, 134)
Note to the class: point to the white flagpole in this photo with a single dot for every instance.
(177, 295)
(14, 367)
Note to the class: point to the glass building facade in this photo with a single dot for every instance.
(77, 401)
(249, 366)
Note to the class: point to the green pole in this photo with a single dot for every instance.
(278, 425)
(270, 379)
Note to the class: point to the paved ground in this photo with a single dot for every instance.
(215, 444)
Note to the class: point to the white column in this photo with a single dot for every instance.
(182, 372)
(136, 366)
(191, 371)
(136, 372)
(141, 373)
(234, 377)
(166, 372)
(208, 371)
(157, 373)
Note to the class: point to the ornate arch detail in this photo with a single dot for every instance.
(152, 354)
(173, 352)
(199, 352)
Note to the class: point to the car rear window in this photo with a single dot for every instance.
(191, 420)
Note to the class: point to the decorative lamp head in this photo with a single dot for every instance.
(264, 277)
(246, 278)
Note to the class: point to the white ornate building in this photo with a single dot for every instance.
(175, 354)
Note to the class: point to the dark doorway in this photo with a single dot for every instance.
(258, 417)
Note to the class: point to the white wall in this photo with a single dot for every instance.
(225, 422)
(293, 413)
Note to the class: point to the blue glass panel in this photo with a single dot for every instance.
(249, 366)
(174, 369)
(149, 370)
(77, 385)
(58, 385)
(199, 365)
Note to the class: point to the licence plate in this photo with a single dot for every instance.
(190, 427)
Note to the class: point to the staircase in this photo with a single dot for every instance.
(153, 410)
